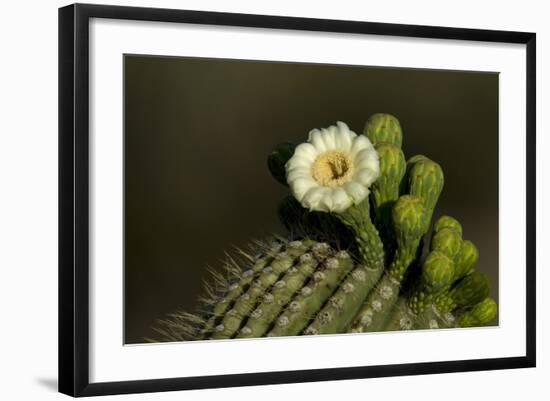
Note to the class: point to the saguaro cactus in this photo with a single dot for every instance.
(338, 271)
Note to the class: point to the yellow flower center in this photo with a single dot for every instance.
(332, 169)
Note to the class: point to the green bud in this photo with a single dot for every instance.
(385, 191)
(404, 187)
(447, 222)
(470, 290)
(426, 180)
(480, 314)
(277, 159)
(382, 127)
(447, 241)
(414, 159)
(392, 169)
(466, 259)
(408, 216)
(437, 271)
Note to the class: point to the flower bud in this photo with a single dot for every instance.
(447, 241)
(470, 290)
(437, 271)
(381, 127)
(480, 314)
(447, 222)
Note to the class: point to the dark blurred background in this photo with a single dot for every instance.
(198, 131)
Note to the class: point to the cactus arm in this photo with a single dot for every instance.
(274, 302)
(311, 297)
(245, 304)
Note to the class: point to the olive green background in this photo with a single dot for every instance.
(197, 133)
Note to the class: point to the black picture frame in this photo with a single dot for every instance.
(74, 198)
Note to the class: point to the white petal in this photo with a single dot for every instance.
(341, 200)
(326, 203)
(359, 143)
(305, 151)
(316, 139)
(357, 191)
(303, 169)
(329, 135)
(309, 135)
(365, 176)
(297, 161)
(370, 164)
(366, 155)
(300, 186)
(312, 199)
(343, 128)
(344, 140)
(296, 173)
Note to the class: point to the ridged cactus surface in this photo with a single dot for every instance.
(358, 217)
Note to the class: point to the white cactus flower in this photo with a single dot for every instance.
(333, 169)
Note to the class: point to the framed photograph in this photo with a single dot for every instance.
(251, 199)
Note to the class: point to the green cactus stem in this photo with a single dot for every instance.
(308, 301)
(282, 292)
(383, 128)
(431, 318)
(345, 302)
(370, 246)
(401, 317)
(408, 216)
(376, 309)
